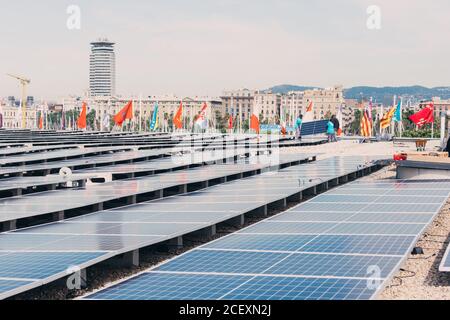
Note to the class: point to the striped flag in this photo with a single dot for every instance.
(387, 118)
(366, 125)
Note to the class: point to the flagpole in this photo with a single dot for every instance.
(140, 112)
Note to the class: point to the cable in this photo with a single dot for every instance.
(400, 278)
(424, 258)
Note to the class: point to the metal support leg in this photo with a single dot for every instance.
(131, 259)
(176, 242)
(9, 225)
(58, 216)
(238, 221)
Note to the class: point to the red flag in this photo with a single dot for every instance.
(41, 121)
(81, 121)
(310, 107)
(125, 113)
(230, 122)
(178, 119)
(424, 116)
(254, 123)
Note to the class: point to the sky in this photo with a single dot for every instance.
(202, 47)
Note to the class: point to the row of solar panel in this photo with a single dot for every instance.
(339, 255)
(111, 232)
(43, 203)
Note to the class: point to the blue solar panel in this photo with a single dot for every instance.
(289, 227)
(327, 265)
(314, 127)
(377, 228)
(40, 265)
(445, 263)
(8, 285)
(223, 261)
(160, 286)
(361, 244)
(285, 288)
(281, 242)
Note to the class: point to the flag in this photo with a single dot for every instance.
(41, 120)
(387, 118)
(230, 122)
(398, 112)
(366, 126)
(201, 118)
(154, 124)
(370, 109)
(310, 107)
(424, 116)
(106, 122)
(81, 121)
(254, 123)
(340, 117)
(63, 119)
(178, 119)
(124, 114)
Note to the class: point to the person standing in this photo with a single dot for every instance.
(336, 127)
(330, 131)
(298, 127)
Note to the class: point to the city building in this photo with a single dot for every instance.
(291, 106)
(12, 117)
(267, 105)
(143, 107)
(102, 69)
(238, 102)
(326, 102)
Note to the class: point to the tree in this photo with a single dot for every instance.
(90, 119)
(356, 124)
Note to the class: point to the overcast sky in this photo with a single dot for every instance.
(201, 47)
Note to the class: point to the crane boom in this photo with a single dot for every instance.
(24, 82)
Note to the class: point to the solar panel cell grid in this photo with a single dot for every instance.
(282, 288)
(8, 285)
(223, 262)
(40, 265)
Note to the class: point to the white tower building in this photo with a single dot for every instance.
(102, 72)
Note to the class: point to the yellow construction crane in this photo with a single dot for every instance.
(23, 82)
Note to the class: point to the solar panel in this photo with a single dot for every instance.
(314, 127)
(343, 254)
(40, 265)
(8, 285)
(445, 263)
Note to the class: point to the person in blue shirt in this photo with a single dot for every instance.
(330, 131)
(298, 127)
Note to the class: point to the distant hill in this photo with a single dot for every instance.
(285, 88)
(379, 94)
(385, 94)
